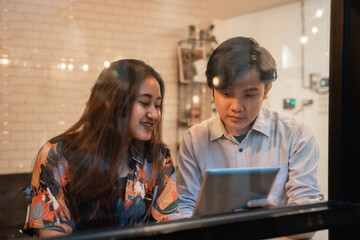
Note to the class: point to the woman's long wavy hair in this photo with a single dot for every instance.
(97, 145)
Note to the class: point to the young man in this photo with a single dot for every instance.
(243, 134)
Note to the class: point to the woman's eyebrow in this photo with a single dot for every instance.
(148, 96)
(145, 95)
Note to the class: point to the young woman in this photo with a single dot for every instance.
(111, 167)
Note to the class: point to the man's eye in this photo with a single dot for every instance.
(226, 94)
(250, 95)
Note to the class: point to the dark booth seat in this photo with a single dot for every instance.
(14, 196)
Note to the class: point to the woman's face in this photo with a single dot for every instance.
(146, 112)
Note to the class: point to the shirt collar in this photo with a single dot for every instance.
(217, 130)
(262, 124)
(136, 158)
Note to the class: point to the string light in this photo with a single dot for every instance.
(85, 67)
(304, 39)
(314, 30)
(196, 99)
(63, 66)
(319, 13)
(5, 61)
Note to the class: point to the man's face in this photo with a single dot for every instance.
(240, 104)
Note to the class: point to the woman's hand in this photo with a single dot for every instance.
(43, 233)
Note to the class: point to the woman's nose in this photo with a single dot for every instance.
(152, 113)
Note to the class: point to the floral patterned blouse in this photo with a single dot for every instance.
(48, 207)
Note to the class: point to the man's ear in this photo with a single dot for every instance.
(268, 87)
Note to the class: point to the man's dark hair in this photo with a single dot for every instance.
(237, 56)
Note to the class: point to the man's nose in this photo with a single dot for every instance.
(236, 105)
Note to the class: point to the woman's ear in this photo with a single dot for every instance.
(268, 87)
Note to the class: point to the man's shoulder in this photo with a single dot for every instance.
(201, 131)
(204, 126)
(283, 122)
(280, 118)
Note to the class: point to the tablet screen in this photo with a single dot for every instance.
(227, 190)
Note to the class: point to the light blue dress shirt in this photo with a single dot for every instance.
(273, 140)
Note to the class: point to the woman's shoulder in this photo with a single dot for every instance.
(50, 155)
(165, 155)
(162, 148)
(49, 165)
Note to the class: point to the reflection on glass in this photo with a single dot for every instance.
(61, 46)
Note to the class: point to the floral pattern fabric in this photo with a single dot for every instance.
(144, 201)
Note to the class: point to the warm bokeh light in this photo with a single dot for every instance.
(319, 13)
(196, 99)
(63, 66)
(5, 61)
(304, 39)
(85, 67)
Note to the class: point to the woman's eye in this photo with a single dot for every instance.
(143, 103)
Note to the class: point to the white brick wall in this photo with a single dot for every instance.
(39, 99)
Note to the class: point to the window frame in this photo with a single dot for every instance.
(341, 214)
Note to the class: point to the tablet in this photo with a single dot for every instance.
(228, 190)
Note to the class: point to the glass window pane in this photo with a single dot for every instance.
(52, 52)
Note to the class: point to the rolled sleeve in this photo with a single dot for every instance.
(302, 186)
(47, 209)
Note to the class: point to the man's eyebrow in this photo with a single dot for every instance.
(253, 89)
(223, 89)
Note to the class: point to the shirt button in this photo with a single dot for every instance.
(241, 150)
(130, 197)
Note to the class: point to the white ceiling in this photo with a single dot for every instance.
(222, 9)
